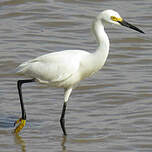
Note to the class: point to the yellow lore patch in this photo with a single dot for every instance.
(116, 19)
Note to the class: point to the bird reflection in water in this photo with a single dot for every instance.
(19, 141)
(64, 139)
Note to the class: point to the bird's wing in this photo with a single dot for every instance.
(53, 67)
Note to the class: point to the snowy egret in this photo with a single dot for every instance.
(66, 68)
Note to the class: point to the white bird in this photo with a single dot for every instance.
(66, 68)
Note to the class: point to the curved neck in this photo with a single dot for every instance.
(101, 54)
(96, 60)
(100, 34)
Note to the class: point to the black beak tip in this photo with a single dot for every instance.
(124, 23)
(137, 29)
(142, 32)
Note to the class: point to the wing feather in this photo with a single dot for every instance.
(53, 67)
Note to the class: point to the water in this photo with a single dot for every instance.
(109, 112)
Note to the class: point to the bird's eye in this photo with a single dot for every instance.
(114, 18)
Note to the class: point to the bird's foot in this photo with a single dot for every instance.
(20, 123)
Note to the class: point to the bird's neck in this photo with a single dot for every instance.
(103, 42)
(100, 34)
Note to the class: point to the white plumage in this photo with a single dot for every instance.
(66, 68)
(60, 69)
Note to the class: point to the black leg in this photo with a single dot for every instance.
(21, 121)
(19, 86)
(62, 120)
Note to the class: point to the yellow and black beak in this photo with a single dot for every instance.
(124, 23)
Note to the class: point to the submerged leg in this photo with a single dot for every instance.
(21, 121)
(62, 119)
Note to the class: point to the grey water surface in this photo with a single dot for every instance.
(109, 112)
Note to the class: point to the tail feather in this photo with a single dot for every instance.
(22, 68)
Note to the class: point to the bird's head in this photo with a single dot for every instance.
(113, 17)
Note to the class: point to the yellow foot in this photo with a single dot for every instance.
(20, 124)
